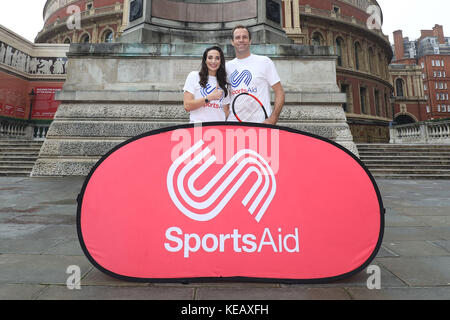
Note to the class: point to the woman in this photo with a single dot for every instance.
(206, 95)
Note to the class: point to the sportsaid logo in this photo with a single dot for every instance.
(240, 166)
(237, 77)
(220, 182)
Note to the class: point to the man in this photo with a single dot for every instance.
(254, 74)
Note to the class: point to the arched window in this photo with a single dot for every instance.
(399, 87)
(317, 39)
(85, 38)
(108, 36)
(67, 41)
(358, 55)
(340, 51)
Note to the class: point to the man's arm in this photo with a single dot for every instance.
(279, 103)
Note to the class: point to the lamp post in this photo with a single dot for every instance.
(32, 95)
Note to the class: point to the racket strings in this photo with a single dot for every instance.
(248, 109)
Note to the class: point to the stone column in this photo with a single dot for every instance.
(125, 17)
(292, 21)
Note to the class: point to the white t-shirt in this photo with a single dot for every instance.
(212, 111)
(254, 74)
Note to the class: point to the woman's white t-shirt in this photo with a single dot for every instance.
(212, 111)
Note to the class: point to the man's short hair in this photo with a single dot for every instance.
(240, 26)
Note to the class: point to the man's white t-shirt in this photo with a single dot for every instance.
(254, 74)
(212, 111)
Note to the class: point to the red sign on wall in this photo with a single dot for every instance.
(9, 110)
(230, 201)
(45, 106)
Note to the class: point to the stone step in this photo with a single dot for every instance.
(20, 149)
(17, 157)
(408, 166)
(16, 162)
(15, 173)
(16, 167)
(409, 159)
(410, 171)
(425, 162)
(406, 153)
(412, 176)
(19, 154)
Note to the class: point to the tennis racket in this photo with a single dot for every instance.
(247, 108)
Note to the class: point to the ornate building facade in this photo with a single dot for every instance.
(30, 75)
(80, 21)
(364, 54)
(421, 76)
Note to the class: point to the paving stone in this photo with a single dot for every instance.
(116, 293)
(397, 220)
(410, 233)
(55, 232)
(420, 271)
(97, 278)
(26, 246)
(358, 280)
(436, 221)
(432, 293)
(445, 244)
(41, 269)
(69, 247)
(416, 248)
(13, 230)
(19, 291)
(297, 293)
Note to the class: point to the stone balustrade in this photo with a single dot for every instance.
(14, 129)
(428, 132)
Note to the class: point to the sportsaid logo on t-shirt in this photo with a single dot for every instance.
(204, 91)
(238, 78)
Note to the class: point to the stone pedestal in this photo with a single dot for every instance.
(206, 21)
(116, 91)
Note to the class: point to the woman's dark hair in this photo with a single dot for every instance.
(221, 72)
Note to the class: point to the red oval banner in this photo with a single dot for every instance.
(230, 201)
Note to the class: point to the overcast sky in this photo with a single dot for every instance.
(25, 16)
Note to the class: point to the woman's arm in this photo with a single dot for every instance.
(226, 109)
(190, 103)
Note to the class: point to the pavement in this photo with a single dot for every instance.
(39, 242)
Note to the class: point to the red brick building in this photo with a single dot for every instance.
(100, 21)
(421, 94)
(364, 54)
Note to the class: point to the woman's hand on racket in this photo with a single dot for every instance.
(215, 95)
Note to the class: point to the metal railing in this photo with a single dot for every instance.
(427, 132)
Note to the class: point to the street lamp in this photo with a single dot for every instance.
(32, 97)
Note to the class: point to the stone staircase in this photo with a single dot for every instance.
(401, 161)
(17, 157)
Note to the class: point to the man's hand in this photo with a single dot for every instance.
(271, 120)
(279, 103)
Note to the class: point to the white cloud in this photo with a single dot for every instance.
(411, 16)
(24, 17)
